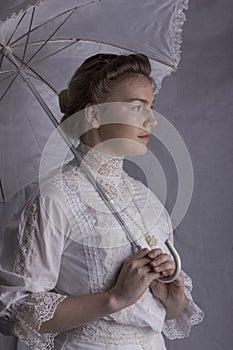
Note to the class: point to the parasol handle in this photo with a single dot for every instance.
(177, 260)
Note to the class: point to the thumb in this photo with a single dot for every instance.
(154, 283)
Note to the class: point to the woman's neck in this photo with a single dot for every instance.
(93, 140)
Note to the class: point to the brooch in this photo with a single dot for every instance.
(151, 241)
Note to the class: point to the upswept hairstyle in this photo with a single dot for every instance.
(94, 80)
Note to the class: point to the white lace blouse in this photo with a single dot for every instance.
(69, 244)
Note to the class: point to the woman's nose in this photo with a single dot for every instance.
(150, 118)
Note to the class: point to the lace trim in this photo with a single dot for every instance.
(106, 167)
(179, 19)
(109, 332)
(188, 285)
(26, 237)
(181, 326)
(159, 70)
(107, 170)
(95, 155)
(36, 309)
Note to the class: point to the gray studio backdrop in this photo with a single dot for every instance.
(198, 100)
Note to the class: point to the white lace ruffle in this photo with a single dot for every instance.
(25, 241)
(180, 327)
(178, 22)
(36, 309)
(160, 70)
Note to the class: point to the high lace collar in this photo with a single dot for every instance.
(106, 168)
(100, 162)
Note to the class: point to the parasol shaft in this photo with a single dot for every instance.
(8, 53)
(81, 162)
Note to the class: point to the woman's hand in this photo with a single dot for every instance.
(162, 263)
(171, 294)
(134, 278)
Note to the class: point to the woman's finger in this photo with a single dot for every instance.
(140, 254)
(140, 262)
(155, 252)
(160, 260)
(168, 266)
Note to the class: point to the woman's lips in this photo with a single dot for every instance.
(145, 137)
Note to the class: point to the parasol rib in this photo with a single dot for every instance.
(8, 88)
(2, 193)
(39, 26)
(28, 35)
(9, 40)
(37, 74)
(51, 19)
(55, 52)
(1, 61)
(60, 25)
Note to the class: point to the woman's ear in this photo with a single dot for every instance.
(92, 116)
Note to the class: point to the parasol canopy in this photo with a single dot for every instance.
(49, 40)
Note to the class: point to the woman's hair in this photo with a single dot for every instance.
(93, 81)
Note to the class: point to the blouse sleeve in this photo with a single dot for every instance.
(180, 327)
(26, 295)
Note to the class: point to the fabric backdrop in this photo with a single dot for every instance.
(198, 101)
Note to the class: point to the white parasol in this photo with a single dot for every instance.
(43, 44)
(49, 41)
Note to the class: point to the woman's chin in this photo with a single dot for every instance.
(136, 150)
(121, 148)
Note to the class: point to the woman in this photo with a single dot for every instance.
(77, 282)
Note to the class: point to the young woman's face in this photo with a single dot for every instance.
(127, 118)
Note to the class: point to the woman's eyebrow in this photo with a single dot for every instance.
(139, 99)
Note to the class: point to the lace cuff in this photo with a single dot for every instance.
(180, 327)
(36, 309)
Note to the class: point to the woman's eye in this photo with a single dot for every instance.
(138, 108)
